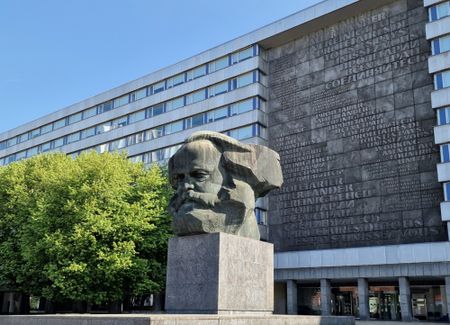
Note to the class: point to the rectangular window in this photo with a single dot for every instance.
(217, 114)
(138, 116)
(105, 107)
(446, 191)
(88, 133)
(154, 133)
(242, 107)
(73, 137)
(32, 151)
(261, 216)
(89, 112)
(242, 133)
(139, 94)
(46, 128)
(21, 155)
(173, 127)
(246, 53)
(102, 148)
(59, 124)
(58, 143)
(442, 80)
(136, 159)
(174, 104)
(261, 131)
(75, 118)
(443, 115)
(197, 120)
(11, 142)
(23, 137)
(118, 144)
(3, 145)
(158, 109)
(103, 128)
(46, 147)
(439, 11)
(119, 122)
(175, 80)
(196, 97)
(218, 64)
(218, 89)
(244, 80)
(199, 71)
(445, 153)
(35, 133)
(157, 88)
(123, 100)
(136, 138)
(440, 45)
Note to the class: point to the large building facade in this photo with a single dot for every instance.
(355, 96)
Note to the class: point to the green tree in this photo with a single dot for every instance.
(91, 229)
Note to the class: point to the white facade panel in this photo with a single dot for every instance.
(440, 98)
(439, 62)
(360, 256)
(445, 211)
(437, 28)
(427, 3)
(443, 172)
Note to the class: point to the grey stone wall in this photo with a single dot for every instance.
(350, 115)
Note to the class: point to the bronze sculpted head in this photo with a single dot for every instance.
(217, 180)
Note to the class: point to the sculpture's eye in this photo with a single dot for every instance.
(199, 175)
(178, 177)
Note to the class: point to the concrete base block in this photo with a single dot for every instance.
(136, 319)
(219, 273)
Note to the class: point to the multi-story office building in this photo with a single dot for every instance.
(355, 97)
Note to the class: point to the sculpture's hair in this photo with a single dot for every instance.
(257, 165)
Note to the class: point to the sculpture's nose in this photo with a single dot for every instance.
(185, 185)
(188, 186)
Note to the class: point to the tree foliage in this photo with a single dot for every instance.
(91, 229)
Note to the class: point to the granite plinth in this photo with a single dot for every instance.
(219, 273)
(139, 319)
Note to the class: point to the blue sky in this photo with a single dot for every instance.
(55, 53)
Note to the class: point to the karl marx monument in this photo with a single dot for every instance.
(217, 263)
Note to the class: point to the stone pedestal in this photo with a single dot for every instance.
(219, 273)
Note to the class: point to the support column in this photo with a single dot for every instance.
(447, 294)
(325, 297)
(363, 299)
(291, 297)
(405, 298)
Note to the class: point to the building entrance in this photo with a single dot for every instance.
(344, 301)
(384, 303)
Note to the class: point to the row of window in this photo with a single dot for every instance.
(439, 11)
(162, 155)
(166, 129)
(202, 94)
(442, 80)
(174, 81)
(440, 45)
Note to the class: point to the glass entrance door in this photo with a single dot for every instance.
(384, 303)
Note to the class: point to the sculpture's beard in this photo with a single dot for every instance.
(196, 212)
